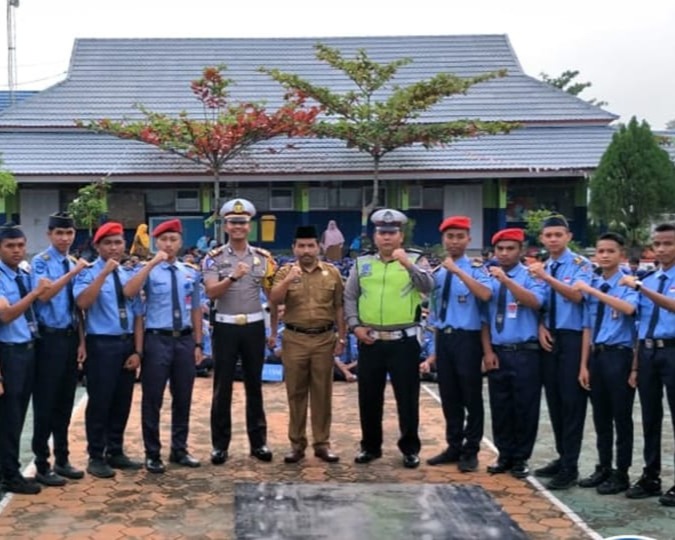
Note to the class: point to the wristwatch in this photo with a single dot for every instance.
(638, 285)
(232, 278)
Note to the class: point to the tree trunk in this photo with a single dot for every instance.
(374, 200)
(217, 226)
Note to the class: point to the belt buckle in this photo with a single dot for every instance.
(448, 330)
(175, 333)
(659, 343)
(240, 319)
(649, 343)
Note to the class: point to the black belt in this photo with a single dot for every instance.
(564, 332)
(312, 331)
(525, 346)
(169, 333)
(602, 348)
(120, 337)
(657, 343)
(25, 345)
(453, 330)
(70, 331)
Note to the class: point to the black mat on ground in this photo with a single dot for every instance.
(370, 511)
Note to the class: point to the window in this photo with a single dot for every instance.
(522, 196)
(281, 199)
(382, 196)
(259, 196)
(187, 200)
(432, 197)
(350, 198)
(318, 198)
(160, 201)
(415, 196)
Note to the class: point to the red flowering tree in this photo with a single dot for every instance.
(225, 130)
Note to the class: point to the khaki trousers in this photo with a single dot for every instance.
(308, 373)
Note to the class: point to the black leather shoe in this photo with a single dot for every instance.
(124, 463)
(446, 456)
(364, 457)
(262, 453)
(68, 471)
(500, 466)
(668, 498)
(99, 468)
(600, 475)
(646, 486)
(184, 459)
(218, 457)
(154, 465)
(468, 463)
(21, 485)
(520, 469)
(325, 454)
(294, 456)
(565, 479)
(50, 479)
(616, 483)
(549, 470)
(411, 461)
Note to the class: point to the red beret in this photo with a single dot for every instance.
(456, 222)
(173, 225)
(517, 235)
(108, 229)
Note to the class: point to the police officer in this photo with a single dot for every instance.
(607, 363)
(18, 330)
(114, 338)
(233, 277)
(382, 307)
(172, 344)
(512, 354)
(656, 359)
(460, 286)
(59, 351)
(560, 337)
(311, 291)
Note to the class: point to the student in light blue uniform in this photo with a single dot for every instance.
(346, 365)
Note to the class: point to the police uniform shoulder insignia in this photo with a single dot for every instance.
(262, 252)
(476, 262)
(45, 256)
(215, 251)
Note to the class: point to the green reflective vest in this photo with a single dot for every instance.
(388, 297)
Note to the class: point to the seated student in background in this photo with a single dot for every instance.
(346, 365)
(274, 333)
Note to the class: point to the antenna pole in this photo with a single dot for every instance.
(11, 49)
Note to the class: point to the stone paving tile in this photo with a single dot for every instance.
(199, 503)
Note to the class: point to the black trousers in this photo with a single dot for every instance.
(565, 397)
(165, 359)
(18, 370)
(460, 384)
(515, 395)
(612, 399)
(110, 388)
(656, 369)
(400, 359)
(54, 394)
(231, 341)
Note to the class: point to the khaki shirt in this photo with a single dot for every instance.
(312, 301)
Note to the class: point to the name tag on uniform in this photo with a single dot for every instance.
(511, 310)
(615, 314)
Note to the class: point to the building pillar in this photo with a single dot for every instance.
(494, 207)
(301, 202)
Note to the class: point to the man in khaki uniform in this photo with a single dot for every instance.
(312, 292)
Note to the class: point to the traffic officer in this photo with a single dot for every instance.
(59, 351)
(382, 307)
(172, 346)
(607, 363)
(114, 338)
(560, 337)
(18, 330)
(233, 277)
(656, 359)
(312, 291)
(460, 287)
(512, 354)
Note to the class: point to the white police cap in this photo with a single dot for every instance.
(238, 210)
(388, 220)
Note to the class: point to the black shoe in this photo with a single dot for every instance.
(446, 456)
(411, 461)
(565, 479)
(468, 463)
(668, 498)
(616, 483)
(21, 485)
(184, 459)
(366, 457)
(154, 465)
(99, 468)
(500, 466)
(294, 456)
(123, 462)
(68, 471)
(50, 479)
(600, 475)
(218, 457)
(520, 469)
(262, 453)
(326, 454)
(646, 486)
(549, 470)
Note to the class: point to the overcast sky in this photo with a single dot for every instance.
(626, 49)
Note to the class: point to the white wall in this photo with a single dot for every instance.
(466, 200)
(36, 206)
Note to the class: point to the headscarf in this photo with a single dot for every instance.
(141, 243)
(332, 236)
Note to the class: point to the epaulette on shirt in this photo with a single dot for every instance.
(476, 263)
(579, 260)
(45, 256)
(262, 252)
(215, 251)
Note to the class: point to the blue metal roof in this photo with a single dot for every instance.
(19, 96)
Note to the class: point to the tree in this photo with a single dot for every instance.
(7, 183)
(634, 181)
(670, 124)
(89, 206)
(225, 130)
(566, 82)
(378, 125)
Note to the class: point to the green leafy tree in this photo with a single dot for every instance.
(534, 219)
(566, 82)
(8, 184)
(634, 182)
(223, 132)
(89, 206)
(377, 116)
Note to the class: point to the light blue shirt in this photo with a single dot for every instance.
(17, 331)
(665, 328)
(158, 300)
(56, 313)
(103, 316)
(616, 328)
(351, 350)
(573, 267)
